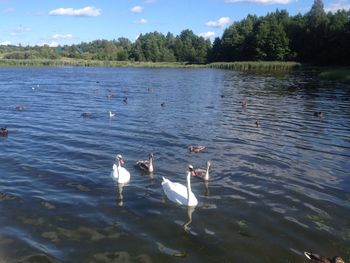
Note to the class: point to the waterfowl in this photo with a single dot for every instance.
(4, 132)
(203, 173)
(20, 108)
(111, 114)
(146, 165)
(257, 123)
(318, 114)
(109, 95)
(120, 173)
(86, 115)
(244, 103)
(196, 149)
(125, 100)
(321, 259)
(162, 104)
(178, 193)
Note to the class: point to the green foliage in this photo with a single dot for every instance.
(257, 66)
(316, 37)
(337, 74)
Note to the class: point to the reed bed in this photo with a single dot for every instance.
(336, 74)
(91, 63)
(261, 66)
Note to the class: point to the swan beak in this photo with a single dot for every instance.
(193, 173)
(122, 161)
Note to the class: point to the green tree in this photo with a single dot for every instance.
(272, 42)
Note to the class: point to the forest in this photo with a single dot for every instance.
(317, 37)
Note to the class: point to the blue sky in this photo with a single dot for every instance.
(53, 22)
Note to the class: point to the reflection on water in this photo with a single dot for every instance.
(190, 210)
(274, 191)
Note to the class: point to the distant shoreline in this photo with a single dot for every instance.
(341, 74)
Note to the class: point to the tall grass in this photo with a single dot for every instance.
(261, 66)
(90, 63)
(336, 74)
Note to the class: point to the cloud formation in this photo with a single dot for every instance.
(61, 36)
(142, 21)
(50, 44)
(340, 5)
(264, 2)
(8, 10)
(207, 35)
(136, 9)
(5, 43)
(20, 30)
(220, 23)
(85, 11)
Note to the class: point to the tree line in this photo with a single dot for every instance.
(316, 37)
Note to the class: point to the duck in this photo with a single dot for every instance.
(162, 104)
(4, 131)
(146, 165)
(20, 108)
(196, 149)
(316, 258)
(257, 123)
(179, 193)
(120, 173)
(318, 114)
(86, 115)
(125, 100)
(203, 173)
(244, 103)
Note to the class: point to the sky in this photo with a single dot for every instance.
(61, 22)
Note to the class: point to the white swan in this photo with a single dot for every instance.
(120, 173)
(179, 193)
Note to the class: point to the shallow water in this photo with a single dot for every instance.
(275, 190)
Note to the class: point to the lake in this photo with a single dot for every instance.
(275, 190)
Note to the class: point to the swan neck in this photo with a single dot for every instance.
(206, 177)
(188, 187)
(150, 168)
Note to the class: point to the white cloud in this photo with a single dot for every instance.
(220, 23)
(264, 2)
(5, 43)
(142, 21)
(50, 44)
(207, 35)
(23, 29)
(136, 9)
(61, 36)
(85, 11)
(8, 10)
(340, 5)
(20, 30)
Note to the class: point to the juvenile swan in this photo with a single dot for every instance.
(203, 173)
(146, 165)
(120, 173)
(179, 193)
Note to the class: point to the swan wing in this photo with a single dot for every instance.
(124, 175)
(176, 192)
(144, 165)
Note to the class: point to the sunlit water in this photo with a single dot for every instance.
(275, 190)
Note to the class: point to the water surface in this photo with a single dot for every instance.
(275, 190)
